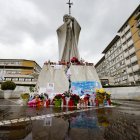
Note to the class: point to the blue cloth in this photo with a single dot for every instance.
(84, 87)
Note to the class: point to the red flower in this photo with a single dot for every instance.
(58, 96)
(75, 97)
(74, 60)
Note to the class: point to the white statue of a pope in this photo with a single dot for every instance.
(68, 36)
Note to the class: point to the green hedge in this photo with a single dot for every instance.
(8, 85)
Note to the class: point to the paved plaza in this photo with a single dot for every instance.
(18, 122)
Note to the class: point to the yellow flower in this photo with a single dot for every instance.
(105, 124)
(101, 90)
(97, 90)
(108, 93)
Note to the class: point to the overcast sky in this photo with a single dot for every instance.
(28, 27)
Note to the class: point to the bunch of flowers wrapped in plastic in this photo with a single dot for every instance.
(75, 98)
(74, 60)
(103, 97)
(58, 96)
(57, 100)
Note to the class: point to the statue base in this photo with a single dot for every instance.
(53, 78)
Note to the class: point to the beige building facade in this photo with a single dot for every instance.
(20, 71)
(122, 55)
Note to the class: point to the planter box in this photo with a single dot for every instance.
(1, 94)
(24, 102)
(8, 94)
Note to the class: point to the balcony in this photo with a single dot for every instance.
(137, 17)
(137, 77)
(131, 79)
(132, 50)
(129, 70)
(138, 24)
(128, 35)
(122, 33)
(123, 40)
(136, 67)
(124, 47)
(127, 62)
(127, 28)
(133, 59)
(126, 54)
(130, 42)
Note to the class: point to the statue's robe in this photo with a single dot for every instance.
(68, 37)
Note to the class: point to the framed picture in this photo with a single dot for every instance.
(50, 86)
(48, 121)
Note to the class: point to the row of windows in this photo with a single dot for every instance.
(135, 73)
(125, 29)
(20, 79)
(113, 48)
(132, 55)
(132, 64)
(127, 41)
(116, 61)
(126, 33)
(9, 63)
(115, 53)
(13, 72)
(121, 79)
(129, 48)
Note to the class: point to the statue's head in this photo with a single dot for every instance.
(65, 18)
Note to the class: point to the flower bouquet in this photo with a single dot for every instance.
(75, 98)
(57, 100)
(74, 60)
(103, 97)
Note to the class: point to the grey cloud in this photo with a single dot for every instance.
(99, 19)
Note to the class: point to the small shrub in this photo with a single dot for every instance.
(8, 85)
(31, 89)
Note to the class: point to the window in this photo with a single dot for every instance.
(21, 79)
(126, 50)
(137, 72)
(139, 33)
(130, 74)
(129, 39)
(123, 36)
(15, 79)
(123, 62)
(135, 63)
(133, 54)
(124, 78)
(8, 79)
(131, 46)
(12, 63)
(129, 65)
(124, 43)
(123, 71)
(118, 58)
(29, 80)
(127, 32)
(114, 47)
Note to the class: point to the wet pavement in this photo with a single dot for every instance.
(114, 123)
